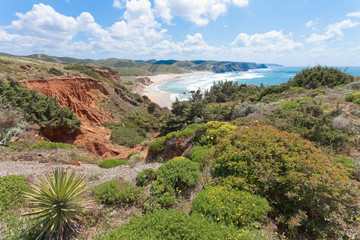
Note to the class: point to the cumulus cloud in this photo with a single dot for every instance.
(333, 31)
(273, 41)
(354, 14)
(198, 12)
(117, 4)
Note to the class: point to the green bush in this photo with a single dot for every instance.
(230, 206)
(297, 102)
(128, 136)
(320, 76)
(37, 108)
(352, 97)
(179, 173)
(308, 190)
(199, 154)
(11, 190)
(158, 144)
(170, 224)
(298, 89)
(51, 145)
(145, 176)
(357, 101)
(317, 92)
(55, 71)
(114, 192)
(110, 163)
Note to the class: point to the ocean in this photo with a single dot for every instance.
(180, 88)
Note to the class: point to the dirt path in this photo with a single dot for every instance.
(96, 175)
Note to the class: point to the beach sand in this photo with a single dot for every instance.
(162, 98)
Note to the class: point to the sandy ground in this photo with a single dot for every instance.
(33, 170)
(159, 97)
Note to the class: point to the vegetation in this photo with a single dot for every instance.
(321, 76)
(308, 190)
(230, 206)
(145, 176)
(116, 193)
(179, 173)
(51, 145)
(56, 202)
(37, 108)
(110, 163)
(11, 190)
(127, 136)
(170, 224)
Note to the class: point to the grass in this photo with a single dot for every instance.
(110, 163)
(51, 145)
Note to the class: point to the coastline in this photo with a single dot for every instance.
(160, 97)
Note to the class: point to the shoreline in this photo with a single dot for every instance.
(163, 99)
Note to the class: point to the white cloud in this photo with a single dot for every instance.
(333, 31)
(273, 41)
(353, 14)
(198, 11)
(117, 4)
(309, 24)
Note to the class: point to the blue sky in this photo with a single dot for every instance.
(288, 32)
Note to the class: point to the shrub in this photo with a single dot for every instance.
(308, 190)
(127, 136)
(11, 190)
(317, 92)
(158, 144)
(170, 224)
(297, 102)
(245, 109)
(145, 176)
(37, 108)
(55, 71)
(321, 76)
(357, 101)
(342, 123)
(56, 202)
(352, 97)
(298, 89)
(51, 145)
(199, 154)
(179, 173)
(110, 163)
(230, 206)
(355, 85)
(114, 192)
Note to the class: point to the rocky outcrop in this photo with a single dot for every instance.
(108, 73)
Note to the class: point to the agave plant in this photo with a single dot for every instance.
(56, 202)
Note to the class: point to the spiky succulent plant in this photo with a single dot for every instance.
(56, 202)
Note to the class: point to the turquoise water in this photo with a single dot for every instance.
(268, 76)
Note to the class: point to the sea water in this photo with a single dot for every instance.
(181, 88)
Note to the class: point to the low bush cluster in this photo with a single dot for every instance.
(110, 163)
(170, 224)
(11, 190)
(145, 176)
(116, 193)
(296, 103)
(230, 206)
(51, 145)
(128, 136)
(307, 190)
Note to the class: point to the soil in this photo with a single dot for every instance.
(96, 175)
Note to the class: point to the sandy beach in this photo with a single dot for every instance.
(162, 98)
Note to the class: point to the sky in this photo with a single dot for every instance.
(287, 32)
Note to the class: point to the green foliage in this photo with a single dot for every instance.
(37, 108)
(357, 101)
(145, 176)
(55, 71)
(128, 136)
(297, 103)
(220, 92)
(116, 193)
(308, 190)
(13, 226)
(317, 92)
(245, 109)
(312, 123)
(110, 163)
(230, 206)
(199, 154)
(274, 89)
(321, 76)
(158, 144)
(179, 173)
(170, 224)
(352, 97)
(45, 145)
(298, 89)
(11, 190)
(56, 202)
